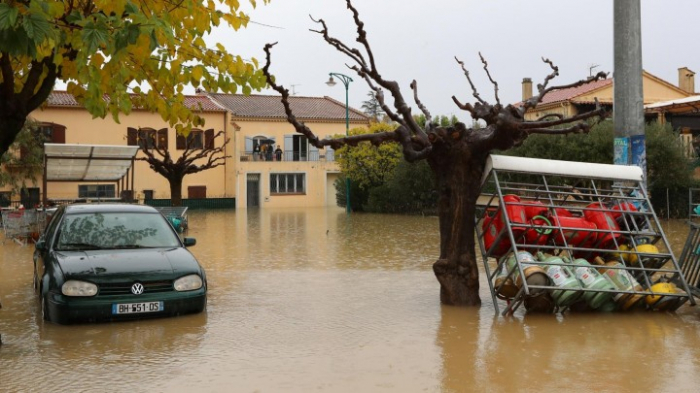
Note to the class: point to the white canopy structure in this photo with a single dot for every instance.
(94, 163)
(563, 168)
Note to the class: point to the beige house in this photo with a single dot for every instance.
(298, 174)
(301, 176)
(572, 101)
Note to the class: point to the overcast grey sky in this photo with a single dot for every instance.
(419, 40)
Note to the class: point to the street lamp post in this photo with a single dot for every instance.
(346, 82)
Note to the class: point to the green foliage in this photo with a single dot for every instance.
(411, 189)
(23, 163)
(366, 165)
(441, 120)
(358, 195)
(667, 167)
(372, 108)
(113, 48)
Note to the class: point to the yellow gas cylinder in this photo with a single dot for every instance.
(659, 289)
(625, 256)
(642, 249)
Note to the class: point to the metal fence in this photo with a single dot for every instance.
(287, 156)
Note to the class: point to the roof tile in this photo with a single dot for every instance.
(270, 107)
(59, 98)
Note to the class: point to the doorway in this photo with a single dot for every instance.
(253, 190)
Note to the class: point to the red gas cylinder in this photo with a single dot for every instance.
(538, 235)
(604, 220)
(576, 230)
(620, 218)
(561, 212)
(534, 208)
(493, 224)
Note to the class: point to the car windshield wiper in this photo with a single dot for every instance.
(79, 246)
(128, 246)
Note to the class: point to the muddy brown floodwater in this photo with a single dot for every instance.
(316, 300)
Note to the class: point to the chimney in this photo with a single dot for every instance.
(527, 88)
(686, 80)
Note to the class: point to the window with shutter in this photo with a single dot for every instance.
(54, 133)
(209, 139)
(131, 136)
(162, 139)
(147, 138)
(58, 133)
(180, 142)
(195, 140)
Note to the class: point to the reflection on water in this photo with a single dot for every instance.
(316, 300)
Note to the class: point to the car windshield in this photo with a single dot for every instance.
(98, 231)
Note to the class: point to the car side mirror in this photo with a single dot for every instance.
(40, 245)
(189, 241)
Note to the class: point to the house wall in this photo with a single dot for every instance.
(318, 170)
(81, 128)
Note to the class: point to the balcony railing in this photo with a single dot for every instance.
(287, 156)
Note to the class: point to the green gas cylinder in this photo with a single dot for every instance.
(562, 277)
(590, 278)
(534, 274)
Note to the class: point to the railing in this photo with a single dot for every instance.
(287, 156)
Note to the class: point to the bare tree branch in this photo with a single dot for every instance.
(414, 86)
(495, 84)
(543, 89)
(370, 70)
(475, 93)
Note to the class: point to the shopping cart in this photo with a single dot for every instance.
(21, 226)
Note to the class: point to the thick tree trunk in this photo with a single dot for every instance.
(11, 123)
(458, 171)
(175, 191)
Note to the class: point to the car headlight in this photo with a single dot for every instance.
(78, 288)
(188, 283)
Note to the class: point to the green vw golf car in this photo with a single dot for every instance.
(115, 261)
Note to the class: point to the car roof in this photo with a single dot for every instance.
(82, 208)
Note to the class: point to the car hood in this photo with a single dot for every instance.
(146, 264)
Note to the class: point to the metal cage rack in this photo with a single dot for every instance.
(584, 237)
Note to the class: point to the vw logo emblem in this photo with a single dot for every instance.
(137, 288)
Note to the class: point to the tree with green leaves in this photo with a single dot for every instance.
(456, 155)
(138, 53)
(24, 161)
(367, 165)
(372, 107)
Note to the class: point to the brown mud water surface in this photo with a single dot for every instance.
(318, 300)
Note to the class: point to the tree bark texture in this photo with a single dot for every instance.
(458, 172)
(175, 190)
(11, 123)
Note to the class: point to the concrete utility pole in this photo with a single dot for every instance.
(628, 101)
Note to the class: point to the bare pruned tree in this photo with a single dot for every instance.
(198, 155)
(457, 155)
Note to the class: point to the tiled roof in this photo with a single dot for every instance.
(59, 98)
(270, 107)
(573, 92)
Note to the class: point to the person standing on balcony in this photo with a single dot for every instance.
(268, 152)
(278, 153)
(256, 152)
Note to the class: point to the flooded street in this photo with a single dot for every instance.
(316, 300)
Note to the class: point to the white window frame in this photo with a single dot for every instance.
(288, 183)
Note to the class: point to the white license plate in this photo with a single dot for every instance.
(136, 308)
